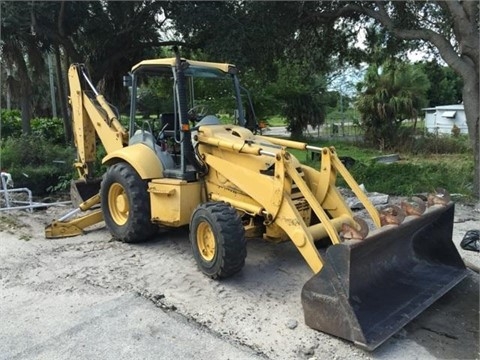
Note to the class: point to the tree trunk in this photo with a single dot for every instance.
(296, 131)
(26, 109)
(67, 125)
(471, 98)
(25, 92)
(8, 90)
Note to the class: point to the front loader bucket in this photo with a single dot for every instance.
(370, 289)
(81, 190)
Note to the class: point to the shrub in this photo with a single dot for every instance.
(31, 150)
(35, 163)
(39, 179)
(441, 144)
(50, 129)
(11, 123)
(408, 178)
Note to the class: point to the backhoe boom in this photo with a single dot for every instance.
(92, 116)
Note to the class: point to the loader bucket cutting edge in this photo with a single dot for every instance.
(369, 290)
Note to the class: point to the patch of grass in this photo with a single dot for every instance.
(353, 150)
(408, 177)
(276, 121)
(414, 173)
(342, 148)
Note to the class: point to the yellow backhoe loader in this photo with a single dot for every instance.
(185, 166)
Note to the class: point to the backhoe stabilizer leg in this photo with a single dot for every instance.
(61, 229)
(64, 227)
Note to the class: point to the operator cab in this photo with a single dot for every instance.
(172, 96)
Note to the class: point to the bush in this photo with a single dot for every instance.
(441, 144)
(11, 123)
(32, 150)
(50, 129)
(410, 140)
(35, 163)
(41, 180)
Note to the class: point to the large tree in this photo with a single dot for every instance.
(449, 28)
(448, 85)
(300, 96)
(260, 31)
(110, 36)
(281, 60)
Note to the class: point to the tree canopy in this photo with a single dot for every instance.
(449, 29)
(447, 87)
(269, 41)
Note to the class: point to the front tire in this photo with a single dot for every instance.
(218, 241)
(126, 204)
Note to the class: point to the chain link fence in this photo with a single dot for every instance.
(336, 129)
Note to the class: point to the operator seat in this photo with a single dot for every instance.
(145, 137)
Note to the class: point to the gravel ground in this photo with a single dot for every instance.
(92, 297)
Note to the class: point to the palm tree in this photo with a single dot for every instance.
(389, 94)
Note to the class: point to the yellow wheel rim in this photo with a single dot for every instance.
(118, 204)
(206, 241)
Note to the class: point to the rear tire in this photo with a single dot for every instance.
(126, 204)
(218, 239)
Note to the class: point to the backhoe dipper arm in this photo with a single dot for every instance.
(91, 114)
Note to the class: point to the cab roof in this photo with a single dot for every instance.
(169, 63)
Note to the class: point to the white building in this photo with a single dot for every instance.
(442, 119)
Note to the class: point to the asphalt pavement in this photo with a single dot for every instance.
(102, 326)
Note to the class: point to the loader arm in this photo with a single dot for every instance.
(275, 202)
(329, 167)
(363, 290)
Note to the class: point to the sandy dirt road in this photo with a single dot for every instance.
(93, 297)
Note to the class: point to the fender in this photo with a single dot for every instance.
(141, 157)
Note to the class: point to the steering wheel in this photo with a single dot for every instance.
(198, 112)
